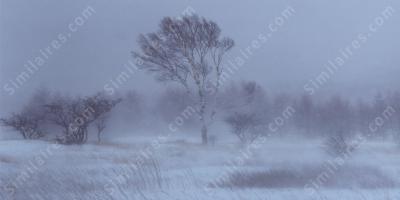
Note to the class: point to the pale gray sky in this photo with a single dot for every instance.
(295, 54)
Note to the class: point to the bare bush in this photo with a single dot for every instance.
(75, 115)
(338, 145)
(337, 121)
(27, 125)
(30, 120)
(246, 108)
(243, 126)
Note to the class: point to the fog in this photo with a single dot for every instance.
(183, 99)
(295, 53)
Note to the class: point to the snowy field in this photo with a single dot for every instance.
(160, 168)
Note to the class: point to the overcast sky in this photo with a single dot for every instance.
(295, 53)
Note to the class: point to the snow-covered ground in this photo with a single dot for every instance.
(167, 168)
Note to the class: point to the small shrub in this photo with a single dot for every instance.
(243, 126)
(28, 125)
(338, 145)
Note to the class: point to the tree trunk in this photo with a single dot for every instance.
(204, 137)
(85, 135)
(98, 137)
(23, 134)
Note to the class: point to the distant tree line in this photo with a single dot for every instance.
(244, 107)
(247, 106)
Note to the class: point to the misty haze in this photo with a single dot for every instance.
(199, 100)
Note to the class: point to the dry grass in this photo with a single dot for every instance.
(347, 177)
(6, 159)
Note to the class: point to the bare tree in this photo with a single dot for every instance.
(30, 120)
(189, 51)
(66, 112)
(75, 115)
